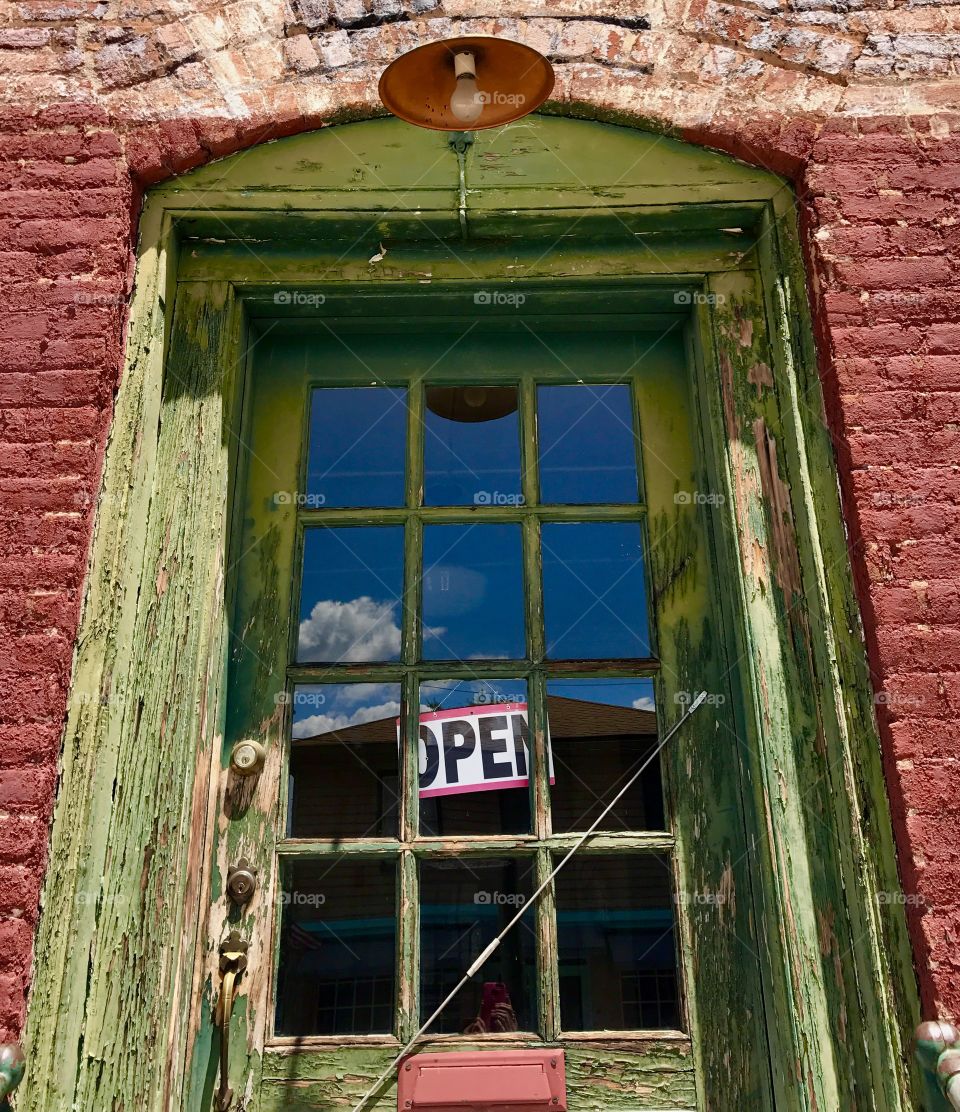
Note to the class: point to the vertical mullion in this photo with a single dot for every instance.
(539, 766)
(536, 698)
(548, 990)
(531, 524)
(414, 484)
(529, 472)
(652, 632)
(409, 760)
(548, 966)
(413, 534)
(408, 946)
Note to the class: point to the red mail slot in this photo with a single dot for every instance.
(491, 1080)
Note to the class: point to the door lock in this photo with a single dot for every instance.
(241, 882)
(247, 758)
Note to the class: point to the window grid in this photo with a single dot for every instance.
(535, 669)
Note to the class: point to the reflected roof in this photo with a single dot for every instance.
(568, 718)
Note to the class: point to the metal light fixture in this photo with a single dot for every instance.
(471, 404)
(466, 83)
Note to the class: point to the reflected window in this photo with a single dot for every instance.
(352, 584)
(357, 447)
(464, 904)
(471, 452)
(615, 931)
(337, 967)
(594, 591)
(473, 606)
(411, 758)
(601, 733)
(343, 780)
(474, 757)
(587, 444)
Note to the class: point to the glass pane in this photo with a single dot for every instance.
(471, 451)
(594, 595)
(337, 948)
(618, 964)
(601, 732)
(474, 757)
(587, 444)
(464, 904)
(472, 592)
(343, 761)
(350, 597)
(357, 447)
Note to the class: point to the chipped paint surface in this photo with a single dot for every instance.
(756, 787)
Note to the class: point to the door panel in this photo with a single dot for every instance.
(281, 634)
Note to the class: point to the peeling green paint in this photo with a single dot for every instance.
(778, 795)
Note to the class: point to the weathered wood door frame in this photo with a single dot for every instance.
(118, 974)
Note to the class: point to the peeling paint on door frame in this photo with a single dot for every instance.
(142, 771)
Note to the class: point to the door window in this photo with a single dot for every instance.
(472, 679)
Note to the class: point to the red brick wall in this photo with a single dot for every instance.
(884, 222)
(859, 108)
(65, 203)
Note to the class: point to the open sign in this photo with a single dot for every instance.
(475, 749)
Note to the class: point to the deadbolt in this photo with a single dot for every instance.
(241, 881)
(247, 757)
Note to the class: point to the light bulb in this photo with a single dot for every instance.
(474, 396)
(466, 103)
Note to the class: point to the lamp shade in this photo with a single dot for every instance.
(512, 80)
(471, 404)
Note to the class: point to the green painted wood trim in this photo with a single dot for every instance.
(99, 691)
(661, 1077)
(146, 686)
(883, 979)
(70, 1055)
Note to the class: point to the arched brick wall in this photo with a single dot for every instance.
(856, 101)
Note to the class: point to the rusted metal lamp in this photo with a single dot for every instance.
(466, 83)
(472, 404)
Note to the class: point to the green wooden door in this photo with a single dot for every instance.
(456, 638)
